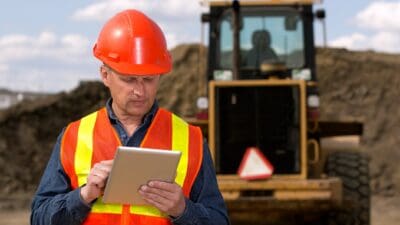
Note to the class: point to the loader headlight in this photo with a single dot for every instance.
(202, 103)
(313, 101)
(301, 74)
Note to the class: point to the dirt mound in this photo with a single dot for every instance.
(364, 86)
(179, 90)
(29, 130)
(361, 86)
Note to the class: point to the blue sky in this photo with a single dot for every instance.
(45, 45)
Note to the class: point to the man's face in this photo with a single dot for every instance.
(132, 95)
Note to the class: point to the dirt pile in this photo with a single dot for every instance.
(365, 86)
(361, 86)
(29, 130)
(179, 90)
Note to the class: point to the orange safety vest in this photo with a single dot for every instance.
(93, 139)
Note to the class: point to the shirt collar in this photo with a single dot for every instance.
(147, 118)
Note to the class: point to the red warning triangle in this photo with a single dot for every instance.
(254, 165)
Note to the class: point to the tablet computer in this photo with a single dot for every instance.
(134, 167)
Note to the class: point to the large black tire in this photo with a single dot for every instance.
(352, 168)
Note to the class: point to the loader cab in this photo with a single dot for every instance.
(261, 59)
(274, 41)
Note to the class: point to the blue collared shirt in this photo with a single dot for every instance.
(56, 203)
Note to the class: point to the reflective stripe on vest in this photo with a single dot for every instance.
(93, 139)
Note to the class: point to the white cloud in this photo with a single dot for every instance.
(176, 8)
(46, 39)
(13, 39)
(179, 20)
(18, 47)
(44, 79)
(386, 41)
(380, 41)
(381, 20)
(102, 10)
(3, 68)
(172, 39)
(353, 41)
(74, 44)
(45, 62)
(380, 15)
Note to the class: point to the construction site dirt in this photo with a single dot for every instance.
(354, 86)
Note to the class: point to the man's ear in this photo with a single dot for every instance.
(105, 74)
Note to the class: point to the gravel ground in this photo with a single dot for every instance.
(385, 211)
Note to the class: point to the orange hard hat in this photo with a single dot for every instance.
(131, 43)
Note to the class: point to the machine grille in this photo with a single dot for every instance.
(266, 117)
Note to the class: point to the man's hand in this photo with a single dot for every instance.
(96, 181)
(167, 197)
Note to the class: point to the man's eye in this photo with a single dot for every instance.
(148, 78)
(127, 79)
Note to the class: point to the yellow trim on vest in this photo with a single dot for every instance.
(100, 207)
(180, 142)
(84, 148)
(83, 160)
(146, 210)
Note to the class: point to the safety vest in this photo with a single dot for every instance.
(93, 139)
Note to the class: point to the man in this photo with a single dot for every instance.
(261, 52)
(134, 55)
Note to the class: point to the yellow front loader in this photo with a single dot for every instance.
(263, 92)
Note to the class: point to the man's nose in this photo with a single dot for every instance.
(138, 88)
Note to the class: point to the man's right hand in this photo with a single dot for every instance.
(96, 181)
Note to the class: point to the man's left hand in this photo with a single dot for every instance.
(167, 197)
